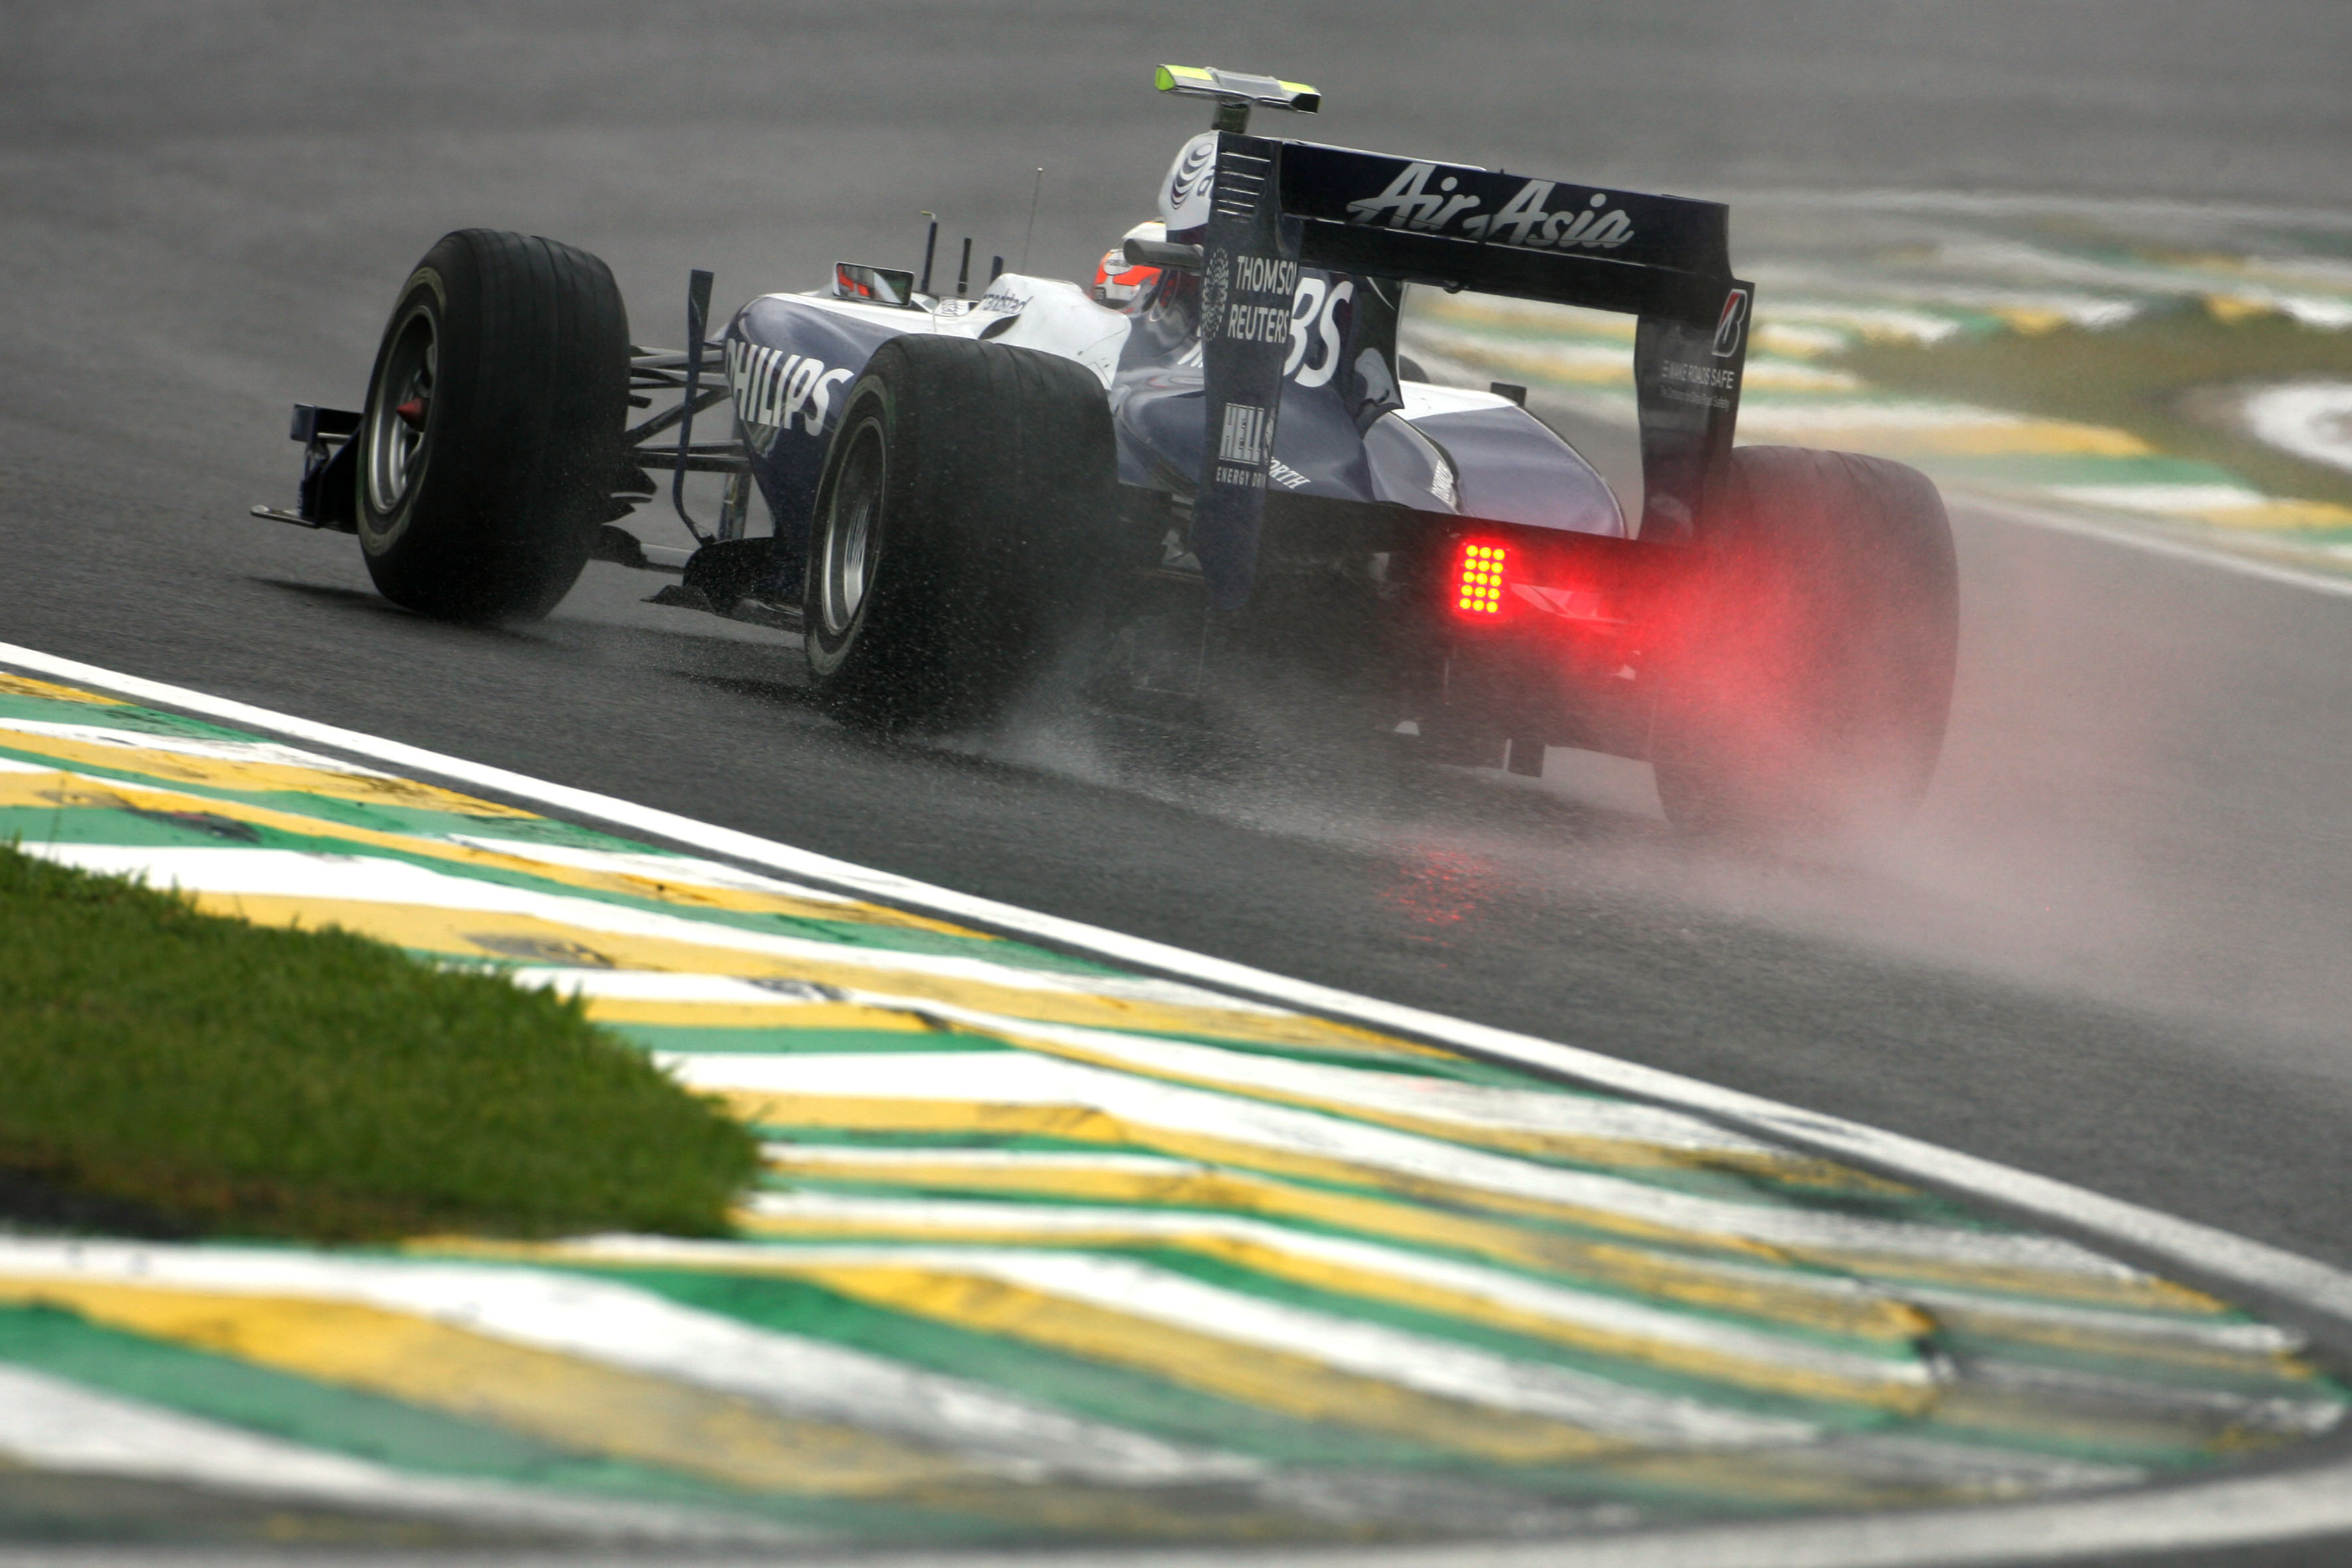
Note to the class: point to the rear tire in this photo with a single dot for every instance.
(958, 541)
(491, 437)
(1811, 661)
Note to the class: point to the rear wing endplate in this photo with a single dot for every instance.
(1279, 205)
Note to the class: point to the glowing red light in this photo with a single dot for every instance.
(1478, 579)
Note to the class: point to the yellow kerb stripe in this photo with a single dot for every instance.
(483, 933)
(25, 686)
(1084, 1124)
(1291, 1384)
(583, 1407)
(1295, 1386)
(1657, 1275)
(1908, 1399)
(98, 794)
(1620, 1152)
(754, 1015)
(252, 777)
(575, 1405)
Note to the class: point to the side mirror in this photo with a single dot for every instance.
(1161, 253)
(880, 285)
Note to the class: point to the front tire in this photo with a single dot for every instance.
(956, 542)
(492, 430)
(1812, 648)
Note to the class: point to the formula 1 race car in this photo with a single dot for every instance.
(1214, 467)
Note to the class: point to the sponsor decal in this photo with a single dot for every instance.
(774, 390)
(1242, 445)
(1011, 301)
(1286, 476)
(1272, 281)
(1274, 275)
(1216, 285)
(1711, 376)
(1315, 309)
(1704, 385)
(952, 307)
(1257, 323)
(1244, 438)
(1422, 200)
(1732, 325)
(1184, 200)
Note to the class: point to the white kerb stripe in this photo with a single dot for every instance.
(381, 879)
(1017, 1079)
(1433, 1367)
(1559, 1303)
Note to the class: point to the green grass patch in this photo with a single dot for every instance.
(228, 1078)
(2166, 378)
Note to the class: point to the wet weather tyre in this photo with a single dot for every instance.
(957, 543)
(1810, 664)
(492, 430)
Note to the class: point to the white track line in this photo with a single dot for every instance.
(2140, 536)
(2227, 1512)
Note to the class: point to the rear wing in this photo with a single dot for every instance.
(1277, 206)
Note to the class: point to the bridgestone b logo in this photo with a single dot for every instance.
(1733, 324)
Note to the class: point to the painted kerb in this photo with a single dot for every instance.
(1049, 1249)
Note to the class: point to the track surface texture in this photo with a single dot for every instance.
(2111, 950)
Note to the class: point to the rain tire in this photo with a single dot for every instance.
(511, 353)
(959, 539)
(1813, 645)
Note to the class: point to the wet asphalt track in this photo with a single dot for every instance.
(2116, 950)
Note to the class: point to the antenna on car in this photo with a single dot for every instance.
(930, 244)
(963, 270)
(1236, 94)
(1035, 187)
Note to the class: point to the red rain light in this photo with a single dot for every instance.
(1478, 579)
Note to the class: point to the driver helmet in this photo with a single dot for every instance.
(1120, 283)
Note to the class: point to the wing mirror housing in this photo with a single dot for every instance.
(876, 285)
(1163, 254)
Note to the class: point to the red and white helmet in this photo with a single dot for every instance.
(1120, 283)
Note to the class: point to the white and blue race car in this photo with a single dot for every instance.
(1215, 460)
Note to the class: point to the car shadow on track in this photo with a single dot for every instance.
(369, 601)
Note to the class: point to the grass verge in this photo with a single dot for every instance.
(2164, 377)
(228, 1078)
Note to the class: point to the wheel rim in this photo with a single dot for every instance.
(846, 575)
(400, 413)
